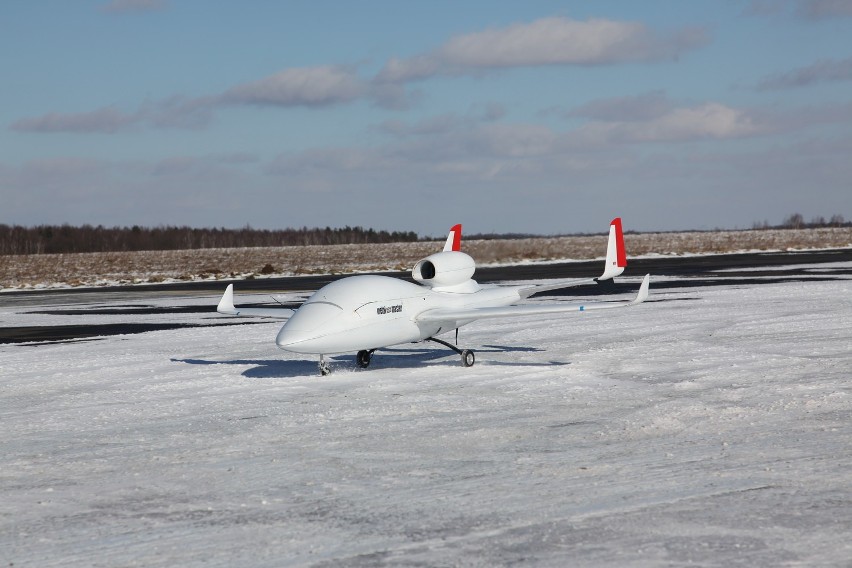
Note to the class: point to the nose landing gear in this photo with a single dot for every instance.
(363, 357)
(324, 369)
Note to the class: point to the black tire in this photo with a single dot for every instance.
(468, 358)
(363, 359)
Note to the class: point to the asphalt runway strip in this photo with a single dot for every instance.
(749, 269)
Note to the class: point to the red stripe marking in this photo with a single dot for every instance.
(621, 255)
(456, 237)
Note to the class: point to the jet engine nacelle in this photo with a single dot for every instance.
(444, 270)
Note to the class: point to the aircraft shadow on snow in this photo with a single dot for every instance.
(388, 358)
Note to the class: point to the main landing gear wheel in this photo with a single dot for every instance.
(363, 358)
(468, 359)
(467, 356)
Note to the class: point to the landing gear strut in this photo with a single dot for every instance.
(363, 358)
(324, 369)
(467, 356)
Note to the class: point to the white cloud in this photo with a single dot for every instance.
(629, 109)
(710, 120)
(554, 41)
(803, 118)
(456, 150)
(311, 87)
(548, 41)
(57, 169)
(823, 71)
(683, 124)
(393, 97)
(304, 86)
(173, 112)
(179, 112)
(489, 112)
(104, 120)
(819, 9)
(805, 9)
(518, 140)
(471, 162)
(440, 124)
(412, 69)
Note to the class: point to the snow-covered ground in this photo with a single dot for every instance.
(710, 426)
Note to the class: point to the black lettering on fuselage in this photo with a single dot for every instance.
(384, 310)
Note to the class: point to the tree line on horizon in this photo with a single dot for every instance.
(65, 239)
(797, 221)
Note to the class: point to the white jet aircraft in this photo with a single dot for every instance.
(366, 313)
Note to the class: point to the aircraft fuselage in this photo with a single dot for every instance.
(368, 312)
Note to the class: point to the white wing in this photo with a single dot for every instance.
(527, 291)
(226, 306)
(470, 314)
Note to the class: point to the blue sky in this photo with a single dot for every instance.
(540, 117)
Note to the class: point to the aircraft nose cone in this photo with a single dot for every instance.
(288, 337)
(308, 323)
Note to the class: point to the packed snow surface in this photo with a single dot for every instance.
(710, 426)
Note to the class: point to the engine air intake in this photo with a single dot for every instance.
(444, 269)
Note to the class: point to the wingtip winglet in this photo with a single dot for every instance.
(642, 295)
(226, 304)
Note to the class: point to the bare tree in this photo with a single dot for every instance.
(794, 221)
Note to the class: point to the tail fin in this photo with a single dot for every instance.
(453, 239)
(616, 257)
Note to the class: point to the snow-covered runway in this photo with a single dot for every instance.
(710, 426)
